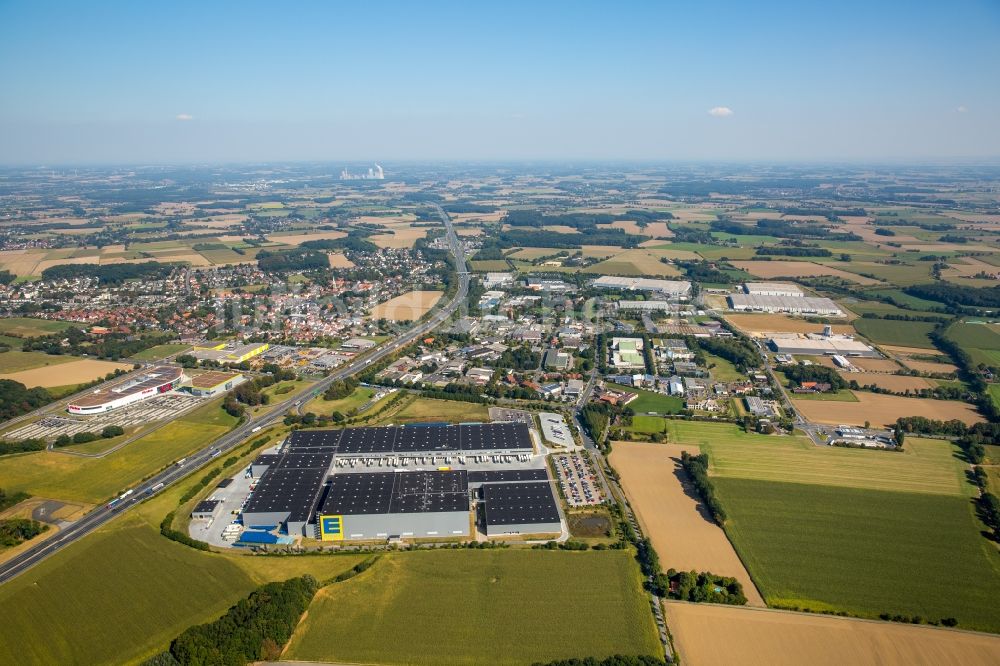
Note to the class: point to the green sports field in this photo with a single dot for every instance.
(900, 333)
(864, 551)
(481, 606)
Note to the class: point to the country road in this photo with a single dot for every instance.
(167, 477)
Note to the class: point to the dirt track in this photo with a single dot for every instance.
(708, 635)
(682, 532)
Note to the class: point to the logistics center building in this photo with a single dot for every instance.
(301, 489)
(150, 383)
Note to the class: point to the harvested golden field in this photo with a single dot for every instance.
(876, 364)
(884, 410)
(339, 260)
(930, 366)
(710, 635)
(299, 239)
(64, 374)
(407, 307)
(400, 237)
(560, 229)
(758, 325)
(886, 381)
(21, 262)
(637, 262)
(778, 269)
(652, 229)
(897, 349)
(683, 533)
(469, 231)
(600, 251)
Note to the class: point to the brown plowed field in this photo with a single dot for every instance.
(884, 410)
(407, 307)
(876, 364)
(683, 534)
(709, 635)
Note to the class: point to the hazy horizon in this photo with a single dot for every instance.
(896, 83)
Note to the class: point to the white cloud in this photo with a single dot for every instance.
(961, 109)
(185, 116)
(720, 111)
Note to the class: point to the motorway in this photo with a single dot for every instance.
(167, 477)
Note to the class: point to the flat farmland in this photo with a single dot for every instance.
(400, 236)
(160, 352)
(778, 269)
(902, 333)
(757, 637)
(651, 401)
(428, 410)
(634, 262)
(982, 341)
(407, 307)
(876, 364)
(469, 607)
(924, 466)
(77, 371)
(339, 260)
(760, 324)
(890, 382)
(681, 529)
(31, 328)
(885, 409)
(864, 551)
(18, 361)
(485, 265)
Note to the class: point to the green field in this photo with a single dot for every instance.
(484, 265)
(61, 476)
(924, 466)
(426, 410)
(994, 392)
(15, 361)
(901, 275)
(876, 307)
(982, 341)
(319, 405)
(914, 302)
(864, 551)
(722, 370)
(113, 597)
(30, 328)
(843, 395)
(483, 606)
(650, 401)
(900, 333)
(159, 351)
(13, 343)
(647, 425)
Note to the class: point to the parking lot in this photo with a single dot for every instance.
(231, 500)
(577, 479)
(159, 408)
(555, 430)
(498, 414)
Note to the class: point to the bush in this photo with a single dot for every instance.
(112, 431)
(84, 437)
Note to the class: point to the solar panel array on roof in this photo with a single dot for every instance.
(519, 503)
(294, 490)
(312, 460)
(507, 475)
(414, 439)
(396, 492)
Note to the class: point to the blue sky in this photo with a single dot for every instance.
(249, 81)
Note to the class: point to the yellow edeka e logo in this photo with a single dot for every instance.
(331, 528)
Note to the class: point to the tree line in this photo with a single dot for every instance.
(697, 468)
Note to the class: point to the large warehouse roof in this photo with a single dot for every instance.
(675, 287)
(396, 492)
(519, 503)
(152, 378)
(803, 304)
(779, 288)
(415, 438)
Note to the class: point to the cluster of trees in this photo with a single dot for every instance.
(972, 439)
(736, 350)
(17, 399)
(519, 358)
(356, 240)
(6, 277)
(697, 469)
(792, 251)
(882, 231)
(7, 501)
(704, 587)
(781, 229)
(542, 238)
(949, 294)
(109, 274)
(688, 234)
(23, 446)
(255, 629)
(798, 374)
(614, 660)
(299, 259)
(340, 389)
(988, 503)
(15, 531)
(83, 437)
(596, 417)
(703, 271)
(953, 238)
(111, 345)
(251, 392)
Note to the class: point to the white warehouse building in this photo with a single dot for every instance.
(773, 289)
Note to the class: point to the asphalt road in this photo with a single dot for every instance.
(164, 479)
